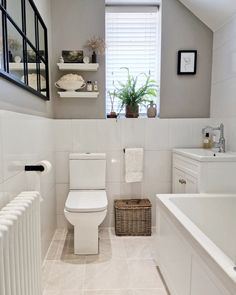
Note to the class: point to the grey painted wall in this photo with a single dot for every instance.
(181, 97)
(74, 22)
(184, 96)
(16, 99)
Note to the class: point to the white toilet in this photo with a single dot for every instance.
(86, 204)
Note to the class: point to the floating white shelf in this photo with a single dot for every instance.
(19, 66)
(75, 94)
(78, 67)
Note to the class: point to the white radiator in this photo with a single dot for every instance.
(20, 246)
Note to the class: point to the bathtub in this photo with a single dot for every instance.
(196, 243)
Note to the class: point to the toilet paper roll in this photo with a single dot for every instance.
(47, 167)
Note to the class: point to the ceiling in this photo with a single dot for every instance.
(214, 13)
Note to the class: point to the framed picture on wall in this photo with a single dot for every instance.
(187, 62)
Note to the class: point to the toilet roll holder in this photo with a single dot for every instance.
(38, 168)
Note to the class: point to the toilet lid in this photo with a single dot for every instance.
(86, 201)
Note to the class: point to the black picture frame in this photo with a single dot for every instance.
(41, 61)
(190, 67)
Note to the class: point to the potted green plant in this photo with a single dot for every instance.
(132, 96)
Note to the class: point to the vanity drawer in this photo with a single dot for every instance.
(186, 165)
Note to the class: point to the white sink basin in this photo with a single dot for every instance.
(204, 155)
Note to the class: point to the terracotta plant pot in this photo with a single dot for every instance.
(132, 111)
(112, 115)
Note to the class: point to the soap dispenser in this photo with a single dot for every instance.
(207, 141)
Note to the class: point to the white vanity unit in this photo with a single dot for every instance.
(203, 171)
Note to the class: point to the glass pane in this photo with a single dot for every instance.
(1, 43)
(30, 23)
(43, 84)
(15, 52)
(14, 10)
(32, 69)
(41, 41)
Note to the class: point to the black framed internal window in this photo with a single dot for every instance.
(23, 46)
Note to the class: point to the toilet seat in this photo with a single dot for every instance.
(86, 201)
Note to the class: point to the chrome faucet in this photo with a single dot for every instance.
(221, 143)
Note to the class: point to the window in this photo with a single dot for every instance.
(132, 37)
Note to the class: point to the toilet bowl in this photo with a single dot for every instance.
(86, 204)
(86, 210)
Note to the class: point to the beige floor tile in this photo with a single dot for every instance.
(60, 234)
(55, 250)
(46, 270)
(144, 275)
(78, 292)
(104, 233)
(108, 292)
(51, 293)
(67, 276)
(108, 250)
(150, 292)
(113, 274)
(139, 248)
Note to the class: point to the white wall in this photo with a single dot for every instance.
(223, 96)
(24, 140)
(157, 136)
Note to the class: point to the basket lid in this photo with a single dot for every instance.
(132, 203)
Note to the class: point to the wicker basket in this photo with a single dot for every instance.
(133, 217)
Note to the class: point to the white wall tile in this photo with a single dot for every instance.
(14, 186)
(62, 167)
(62, 191)
(224, 62)
(225, 34)
(110, 135)
(156, 134)
(114, 162)
(132, 132)
(113, 193)
(63, 135)
(180, 133)
(84, 135)
(223, 103)
(157, 166)
(131, 190)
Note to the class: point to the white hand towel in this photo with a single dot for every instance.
(133, 165)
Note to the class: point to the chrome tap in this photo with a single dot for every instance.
(221, 143)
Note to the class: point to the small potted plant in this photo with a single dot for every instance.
(132, 96)
(97, 45)
(112, 96)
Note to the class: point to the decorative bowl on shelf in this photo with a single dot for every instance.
(70, 82)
